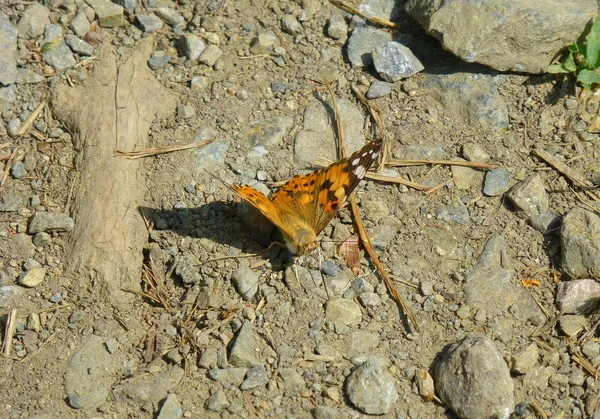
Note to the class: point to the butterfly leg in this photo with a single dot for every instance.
(320, 256)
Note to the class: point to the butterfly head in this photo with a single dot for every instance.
(305, 241)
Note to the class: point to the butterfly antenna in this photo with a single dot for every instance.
(320, 256)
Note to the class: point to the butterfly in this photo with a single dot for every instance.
(305, 204)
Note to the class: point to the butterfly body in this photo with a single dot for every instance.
(306, 204)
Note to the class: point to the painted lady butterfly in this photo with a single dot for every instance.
(305, 204)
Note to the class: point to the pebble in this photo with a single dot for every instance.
(290, 25)
(329, 268)
(150, 23)
(293, 383)
(572, 325)
(56, 298)
(591, 349)
(75, 401)
(28, 76)
(243, 349)
(497, 181)
(10, 202)
(188, 269)
(170, 17)
(13, 127)
(208, 359)
(264, 42)
(210, 55)
(211, 154)
(228, 376)
(191, 46)
(255, 377)
(394, 62)
(473, 152)
(18, 170)
(337, 28)
(8, 51)
(425, 385)
(578, 296)
(455, 212)
(78, 45)
(128, 5)
(362, 342)
(42, 239)
(343, 312)
(370, 388)
(326, 412)
(270, 131)
(50, 222)
(185, 111)
(369, 299)
(32, 278)
(171, 408)
(546, 222)
(379, 89)
(112, 345)
(217, 401)
(363, 41)
(529, 196)
(524, 361)
(58, 55)
(80, 24)
(486, 390)
(33, 21)
(110, 15)
(246, 282)
(580, 243)
(158, 61)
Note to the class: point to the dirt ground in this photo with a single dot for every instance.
(147, 304)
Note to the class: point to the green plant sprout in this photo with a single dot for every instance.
(582, 59)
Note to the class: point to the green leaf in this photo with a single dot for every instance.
(588, 77)
(557, 69)
(569, 64)
(49, 46)
(593, 44)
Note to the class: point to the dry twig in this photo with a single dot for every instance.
(29, 121)
(9, 331)
(372, 19)
(154, 151)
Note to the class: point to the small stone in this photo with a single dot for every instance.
(188, 269)
(150, 23)
(246, 282)
(42, 239)
(572, 325)
(525, 361)
(591, 349)
(129, 5)
(580, 243)
(456, 212)
(329, 268)
(58, 55)
(228, 376)
(13, 127)
(110, 15)
(158, 62)
(264, 42)
(473, 152)
(363, 41)
(217, 401)
(112, 345)
(78, 45)
(463, 176)
(18, 170)
(75, 401)
(242, 94)
(379, 89)
(171, 408)
(170, 17)
(32, 278)
(546, 222)
(497, 181)
(293, 383)
(529, 196)
(337, 28)
(425, 386)
(290, 25)
(210, 55)
(244, 347)
(33, 21)
(56, 298)
(208, 359)
(28, 76)
(80, 24)
(191, 46)
(10, 202)
(255, 377)
(370, 299)
(199, 83)
(578, 296)
(371, 388)
(185, 111)
(394, 62)
(50, 221)
(343, 312)
(173, 356)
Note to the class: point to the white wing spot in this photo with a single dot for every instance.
(355, 162)
(360, 172)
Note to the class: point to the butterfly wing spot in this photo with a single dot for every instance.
(355, 162)
(360, 172)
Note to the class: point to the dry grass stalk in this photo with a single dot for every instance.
(571, 174)
(538, 409)
(406, 163)
(38, 350)
(9, 331)
(372, 19)
(156, 290)
(154, 151)
(29, 121)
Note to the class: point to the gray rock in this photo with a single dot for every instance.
(144, 387)
(246, 282)
(473, 98)
(572, 325)
(474, 152)
(128, 5)
(20, 244)
(42, 239)
(49, 222)
(8, 94)
(363, 42)
(369, 299)
(217, 401)
(591, 349)
(32, 278)
(473, 380)
(171, 408)
(580, 243)
(500, 33)
(211, 154)
(337, 28)
(578, 296)
(316, 143)
(393, 61)
(210, 55)
(158, 61)
(244, 347)
(57, 53)
(208, 359)
(290, 25)
(78, 45)
(188, 269)
(455, 212)
(361, 342)
(370, 388)
(112, 345)
(293, 383)
(326, 412)
(185, 111)
(464, 177)
(110, 15)
(329, 268)
(529, 196)
(170, 17)
(18, 170)
(10, 202)
(75, 401)
(150, 23)
(8, 51)
(13, 127)
(379, 89)
(191, 46)
(264, 42)
(343, 312)
(489, 285)
(28, 76)
(255, 377)
(270, 131)
(497, 181)
(80, 24)
(524, 361)
(228, 376)
(33, 21)
(546, 222)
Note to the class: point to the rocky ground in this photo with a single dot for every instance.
(143, 288)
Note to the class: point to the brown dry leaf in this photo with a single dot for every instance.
(350, 252)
